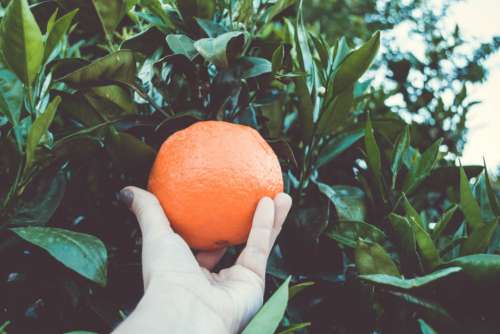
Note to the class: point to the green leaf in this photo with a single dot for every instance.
(443, 222)
(250, 67)
(406, 239)
(182, 44)
(373, 152)
(408, 284)
(428, 159)
(21, 41)
(337, 145)
(468, 203)
(278, 58)
(39, 129)
(342, 49)
(297, 288)
(305, 108)
(155, 7)
(57, 31)
(243, 11)
(492, 197)
(349, 201)
(426, 246)
(399, 151)
(275, 9)
(211, 28)
(479, 240)
(355, 64)
(128, 151)
(424, 327)
(371, 258)
(335, 114)
(39, 208)
(411, 212)
(347, 233)
(110, 13)
(118, 66)
(268, 318)
(481, 268)
(11, 91)
(303, 50)
(189, 9)
(80, 252)
(221, 50)
(295, 327)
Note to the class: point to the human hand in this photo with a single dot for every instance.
(181, 294)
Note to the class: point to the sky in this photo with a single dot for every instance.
(479, 22)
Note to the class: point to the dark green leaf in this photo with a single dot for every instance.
(371, 258)
(110, 13)
(278, 7)
(398, 153)
(349, 201)
(21, 41)
(428, 159)
(221, 50)
(189, 9)
(355, 64)
(39, 209)
(411, 212)
(426, 247)
(155, 7)
(268, 318)
(118, 66)
(443, 222)
(303, 50)
(347, 233)
(406, 239)
(128, 151)
(305, 108)
(492, 197)
(448, 176)
(373, 152)
(182, 44)
(57, 31)
(408, 284)
(479, 240)
(468, 203)
(80, 252)
(278, 58)
(335, 113)
(297, 288)
(39, 129)
(250, 67)
(338, 145)
(478, 267)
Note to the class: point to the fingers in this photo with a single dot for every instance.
(283, 204)
(209, 259)
(254, 255)
(147, 209)
(163, 250)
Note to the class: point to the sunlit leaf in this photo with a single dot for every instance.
(221, 50)
(268, 318)
(371, 258)
(110, 13)
(57, 31)
(21, 41)
(348, 201)
(182, 44)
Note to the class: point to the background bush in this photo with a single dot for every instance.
(388, 233)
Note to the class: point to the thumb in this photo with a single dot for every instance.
(162, 249)
(149, 213)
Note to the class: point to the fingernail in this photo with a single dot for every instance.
(126, 196)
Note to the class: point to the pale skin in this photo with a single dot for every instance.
(181, 293)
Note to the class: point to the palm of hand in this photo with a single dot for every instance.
(204, 301)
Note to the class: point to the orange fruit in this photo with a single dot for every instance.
(209, 178)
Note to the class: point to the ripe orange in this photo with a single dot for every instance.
(209, 178)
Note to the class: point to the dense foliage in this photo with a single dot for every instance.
(385, 234)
